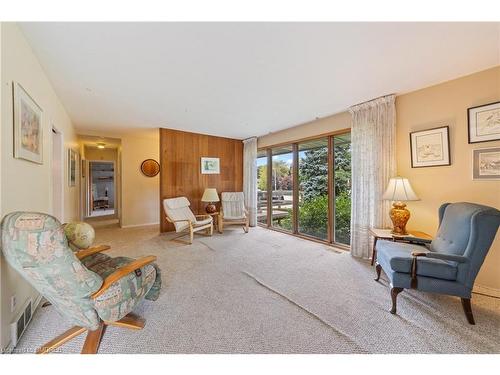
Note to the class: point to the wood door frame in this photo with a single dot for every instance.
(89, 187)
(55, 130)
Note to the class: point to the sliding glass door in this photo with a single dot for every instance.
(304, 188)
(313, 188)
(262, 174)
(282, 188)
(342, 188)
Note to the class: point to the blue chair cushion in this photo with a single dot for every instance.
(397, 256)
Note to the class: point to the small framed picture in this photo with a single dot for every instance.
(484, 123)
(72, 156)
(28, 127)
(486, 163)
(210, 166)
(430, 148)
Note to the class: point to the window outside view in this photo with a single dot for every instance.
(312, 205)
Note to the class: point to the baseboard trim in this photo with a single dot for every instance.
(493, 292)
(140, 225)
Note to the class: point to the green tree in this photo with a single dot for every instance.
(342, 154)
(281, 178)
(262, 177)
(314, 173)
(313, 218)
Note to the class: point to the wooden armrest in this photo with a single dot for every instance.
(91, 250)
(176, 221)
(121, 272)
(202, 216)
(418, 253)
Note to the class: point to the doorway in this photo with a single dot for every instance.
(57, 161)
(101, 189)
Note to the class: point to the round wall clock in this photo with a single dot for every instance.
(150, 168)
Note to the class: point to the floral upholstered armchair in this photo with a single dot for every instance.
(87, 287)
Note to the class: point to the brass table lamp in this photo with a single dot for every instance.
(399, 190)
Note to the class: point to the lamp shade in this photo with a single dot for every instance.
(399, 189)
(210, 195)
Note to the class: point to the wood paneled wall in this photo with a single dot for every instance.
(180, 159)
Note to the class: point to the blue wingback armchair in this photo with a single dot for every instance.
(89, 288)
(450, 262)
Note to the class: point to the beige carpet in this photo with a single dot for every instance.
(267, 292)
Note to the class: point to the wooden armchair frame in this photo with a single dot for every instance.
(130, 321)
(193, 228)
(244, 221)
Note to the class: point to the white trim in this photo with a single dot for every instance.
(140, 225)
(492, 292)
(62, 159)
(88, 188)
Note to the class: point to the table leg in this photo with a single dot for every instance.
(374, 251)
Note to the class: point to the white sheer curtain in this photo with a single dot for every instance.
(373, 138)
(250, 178)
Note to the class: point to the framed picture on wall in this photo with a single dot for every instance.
(210, 166)
(484, 123)
(28, 127)
(72, 159)
(486, 163)
(430, 148)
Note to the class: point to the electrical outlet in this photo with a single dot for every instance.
(13, 303)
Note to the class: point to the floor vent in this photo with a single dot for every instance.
(19, 325)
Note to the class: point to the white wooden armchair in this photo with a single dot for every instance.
(185, 222)
(233, 211)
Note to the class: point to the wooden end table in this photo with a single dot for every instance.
(215, 218)
(385, 234)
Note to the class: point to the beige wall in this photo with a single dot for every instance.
(140, 195)
(26, 185)
(446, 104)
(443, 104)
(94, 153)
(324, 125)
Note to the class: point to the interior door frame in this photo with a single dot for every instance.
(88, 187)
(55, 130)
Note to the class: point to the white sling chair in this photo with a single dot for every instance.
(233, 211)
(185, 222)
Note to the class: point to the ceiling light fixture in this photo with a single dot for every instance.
(100, 145)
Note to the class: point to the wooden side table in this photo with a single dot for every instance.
(385, 234)
(215, 218)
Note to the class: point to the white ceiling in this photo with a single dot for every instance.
(244, 79)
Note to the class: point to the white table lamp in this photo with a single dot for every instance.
(210, 196)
